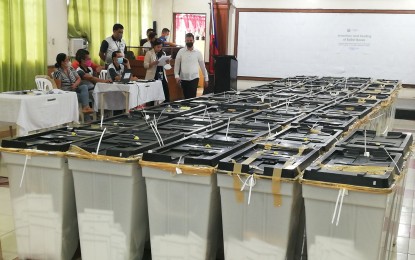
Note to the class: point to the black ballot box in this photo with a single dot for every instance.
(226, 72)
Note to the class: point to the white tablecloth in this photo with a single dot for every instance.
(32, 112)
(139, 93)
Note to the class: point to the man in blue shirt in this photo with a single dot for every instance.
(164, 35)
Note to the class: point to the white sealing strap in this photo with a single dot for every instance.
(340, 197)
(392, 160)
(178, 170)
(102, 120)
(100, 139)
(250, 182)
(28, 157)
(227, 129)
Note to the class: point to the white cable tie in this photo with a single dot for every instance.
(366, 153)
(341, 205)
(227, 129)
(269, 130)
(28, 157)
(146, 117)
(203, 119)
(392, 160)
(178, 170)
(157, 131)
(210, 120)
(100, 139)
(335, 208)
(154, 131)
(162, 111)
(102, 119)
(250, 182)
(386, 130)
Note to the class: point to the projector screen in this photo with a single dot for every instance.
(283, 44)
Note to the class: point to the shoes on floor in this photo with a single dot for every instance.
(87, 110)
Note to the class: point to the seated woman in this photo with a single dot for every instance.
(116, 68)
(154, 71)
(67, 79)
(85, 70)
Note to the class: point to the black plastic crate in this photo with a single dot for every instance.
(283, 96)
(364, 80)
(121, 122)
(303, 135)
(350, 166)
(393, 141)
(263, 159)
(381, 88)
(218, 99)
(379, 91)
(349, 87)
(327, 83)
(189, 126)
(195, 150)
(54, 140)
(298, 92)
(256, 103)
(318, 120)
(285, 82)
(303, 105)
(245, 129)
(314, 99)
(273, 116)
(354, 101)
(271, 87)
(130, 143)
(388, 81)
(170, 110)
(220, 113)
(346, 109)
(314, 86)
(331, 79)
(371, 95)
(334, 95)
(300, 79)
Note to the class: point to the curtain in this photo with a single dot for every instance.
(23, 53)
(193, 23)
(93, 20)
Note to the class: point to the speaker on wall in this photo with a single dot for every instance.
(155, 26)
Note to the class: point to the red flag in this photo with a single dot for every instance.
(213, 47)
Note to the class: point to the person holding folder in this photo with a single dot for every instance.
(155, 62)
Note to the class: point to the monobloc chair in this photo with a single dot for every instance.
(103, 74)
(43, 84)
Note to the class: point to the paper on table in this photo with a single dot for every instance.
(163, 60)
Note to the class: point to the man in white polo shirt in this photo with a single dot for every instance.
(115, 42)
(186, 68)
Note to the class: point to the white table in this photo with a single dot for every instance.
(126, 96)
(36, 110)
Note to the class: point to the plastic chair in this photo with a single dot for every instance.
(43, 84)
(103, 74)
